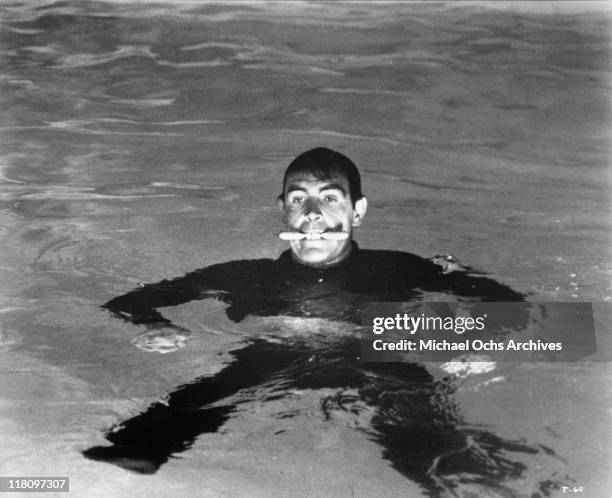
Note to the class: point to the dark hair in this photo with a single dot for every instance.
(324, 164)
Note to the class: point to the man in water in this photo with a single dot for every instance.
(324, 275)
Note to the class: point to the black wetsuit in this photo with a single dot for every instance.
(267, 287)
(415, 419)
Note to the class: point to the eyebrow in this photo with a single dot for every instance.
(333, 186)
(294, 187)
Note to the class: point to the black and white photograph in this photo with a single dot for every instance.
(306, 248)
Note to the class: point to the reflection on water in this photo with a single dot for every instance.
(398, 405)
(140, 143)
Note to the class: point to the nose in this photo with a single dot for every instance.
(313, 212)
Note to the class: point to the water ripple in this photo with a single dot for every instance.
(103, 126)
(64, 193)
(152, 102)
(78, 123)
(87, 60)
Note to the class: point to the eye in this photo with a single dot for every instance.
(330, 199)
(297, 200)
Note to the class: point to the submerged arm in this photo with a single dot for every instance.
(464, 281)
(140, 305)
(226, 281)
(483, 288)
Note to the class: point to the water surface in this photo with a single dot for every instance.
(143, 142)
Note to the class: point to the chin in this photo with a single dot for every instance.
(314, 257)
(315, 253)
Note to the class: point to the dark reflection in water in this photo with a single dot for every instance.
(414, 418)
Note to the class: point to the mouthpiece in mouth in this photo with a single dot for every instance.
(313, 235)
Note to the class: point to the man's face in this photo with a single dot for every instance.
(314, 205)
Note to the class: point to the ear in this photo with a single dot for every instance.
(361, 206)
(280, 202)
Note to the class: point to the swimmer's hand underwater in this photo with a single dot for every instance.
(313, 235)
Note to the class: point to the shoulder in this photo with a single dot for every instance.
(395, 260)
(240, 264)
(228, 275)
(235, 267)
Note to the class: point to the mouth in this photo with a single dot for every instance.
(314, 235)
